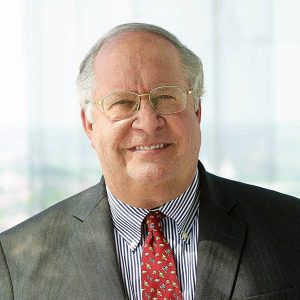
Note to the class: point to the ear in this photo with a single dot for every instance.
(87, 125)
(199, 111)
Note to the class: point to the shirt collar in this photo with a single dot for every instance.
(128, 219)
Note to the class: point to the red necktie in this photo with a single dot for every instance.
(158, 268)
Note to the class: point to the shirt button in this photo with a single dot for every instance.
(133, 245)
(184, 235)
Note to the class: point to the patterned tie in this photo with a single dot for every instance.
(158, 268)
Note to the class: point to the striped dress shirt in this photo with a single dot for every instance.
(180, 227)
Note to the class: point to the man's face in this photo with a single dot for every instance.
(139, 62)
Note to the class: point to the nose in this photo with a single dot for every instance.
(147, 119)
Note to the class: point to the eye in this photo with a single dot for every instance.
(124, 103)
(164, 97)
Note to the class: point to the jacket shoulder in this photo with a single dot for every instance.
(257, 204)
(58, 216)
(253, 193)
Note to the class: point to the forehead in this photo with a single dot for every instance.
(134, 59)
(134, 42)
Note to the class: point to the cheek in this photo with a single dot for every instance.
(108, 139)
(99, 138)
(192, 135)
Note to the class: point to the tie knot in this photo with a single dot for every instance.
(153, 220)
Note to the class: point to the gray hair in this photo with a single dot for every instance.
(86, 85)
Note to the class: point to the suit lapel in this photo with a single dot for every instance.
(93, 248)
(221, 240)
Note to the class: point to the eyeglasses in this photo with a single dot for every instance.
(165, 100)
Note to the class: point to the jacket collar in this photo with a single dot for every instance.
(93, 248)
(220, 242)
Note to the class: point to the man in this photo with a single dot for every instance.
(140, 92)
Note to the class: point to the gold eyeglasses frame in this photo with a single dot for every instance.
(136, 108)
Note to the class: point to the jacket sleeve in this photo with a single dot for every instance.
(6, 290)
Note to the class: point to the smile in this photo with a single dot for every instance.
(146, 148)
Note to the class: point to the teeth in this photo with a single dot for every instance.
(146, 148)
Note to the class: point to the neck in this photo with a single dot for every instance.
(148, 195)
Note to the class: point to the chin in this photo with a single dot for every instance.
(150, 173)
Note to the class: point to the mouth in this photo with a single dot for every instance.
(149, 147)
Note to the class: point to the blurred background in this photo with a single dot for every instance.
(251, 113)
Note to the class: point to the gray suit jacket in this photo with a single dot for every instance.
(249, 247)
